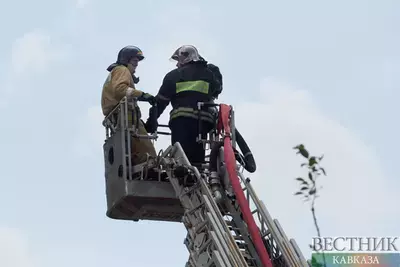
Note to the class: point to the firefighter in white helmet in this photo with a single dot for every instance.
(191, 82)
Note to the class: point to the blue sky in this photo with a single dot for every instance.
(321, 73)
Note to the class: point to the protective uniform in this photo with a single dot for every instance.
(184, 87)
(119, 83)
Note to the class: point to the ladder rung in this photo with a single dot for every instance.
(238, 238)
(195, 208)
(241, 245)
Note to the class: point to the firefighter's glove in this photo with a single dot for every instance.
(129, 92)
(148, 98)
(135, 79)
(151, 126)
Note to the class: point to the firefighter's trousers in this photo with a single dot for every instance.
(140, 146)
(185, 131)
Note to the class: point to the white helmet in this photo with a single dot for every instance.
(186, 54)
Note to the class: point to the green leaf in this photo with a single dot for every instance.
(323, 170)
(304, 152)
(300, 179)
(298, 147)
(298, 193)
(304, 188)
(310, 176)
(312, 161)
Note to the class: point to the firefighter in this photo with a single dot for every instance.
(191, 82)
(121, 82)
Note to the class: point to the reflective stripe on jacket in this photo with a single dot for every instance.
(184, 88)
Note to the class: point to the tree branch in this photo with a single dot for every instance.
(308, 188)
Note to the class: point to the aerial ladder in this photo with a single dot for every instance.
(227, 224)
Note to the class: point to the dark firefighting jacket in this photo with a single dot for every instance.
(186, 86)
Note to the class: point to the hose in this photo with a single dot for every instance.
(247, 158)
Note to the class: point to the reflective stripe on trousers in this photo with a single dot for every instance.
(192, 113)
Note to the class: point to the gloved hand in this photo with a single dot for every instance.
(151, 126)
(135, 79)
(148, 98)
(129, 92)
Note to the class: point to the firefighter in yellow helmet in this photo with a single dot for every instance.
(191, 82)
(121, 82)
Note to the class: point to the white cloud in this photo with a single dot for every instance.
(80, 4)
(17, 251)
(191, 32)
(194, 33)
(34, 52)
(90, 134)
(14, 250)
(355, 198)
(64, 254)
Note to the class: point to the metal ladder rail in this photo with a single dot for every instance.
(271, 228)
(234, 251)
(260, 215)
(126, 145)
(235, 222)
(242, 238)
(242, 234)
(202, 220)
(230, 237)
(274, 235)
(234, 217)
(230, 247)
(203, 238)
(273, 247)
(298, 251)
